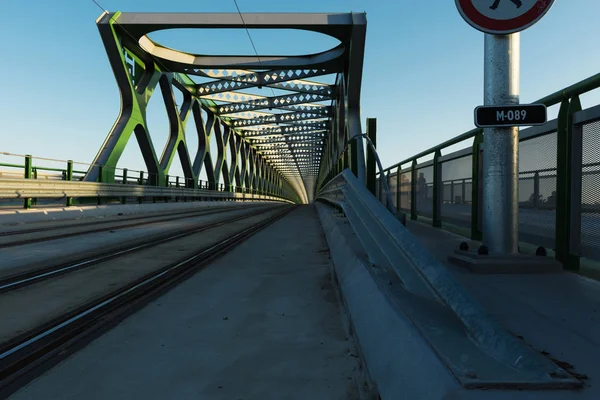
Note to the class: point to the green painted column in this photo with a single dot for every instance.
(69, 177)
(141, 182)
(27, 175)
(370, 162)
(413, 190)
(398, 189)
(167, 184)
(476, 163)
(124, 198)
(564, 163)
(437, 190)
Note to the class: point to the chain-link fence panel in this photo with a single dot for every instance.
(456, 191)
(537, 190)
(424, 189)
(590, 191)
(405, 191)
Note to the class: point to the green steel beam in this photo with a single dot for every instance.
(139, 75)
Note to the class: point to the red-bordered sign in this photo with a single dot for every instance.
(501, 17)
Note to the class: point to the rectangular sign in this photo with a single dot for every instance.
(515, 115)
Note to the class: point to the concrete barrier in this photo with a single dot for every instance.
(399, 362)
(413, 347)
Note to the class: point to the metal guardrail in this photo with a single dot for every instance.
(67, 183)
(393, 251)
(30, 188)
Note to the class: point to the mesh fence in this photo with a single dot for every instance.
(405, 191)
(456, 191)
(393, 185)
(424, 189)
(537, 190)
(380, 190)
(590, 191)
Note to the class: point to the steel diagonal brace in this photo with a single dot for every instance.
(286, 118)
(271, 102)
(279, 79)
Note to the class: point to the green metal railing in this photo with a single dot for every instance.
(569, 105)
(561, 198)
(30, 171)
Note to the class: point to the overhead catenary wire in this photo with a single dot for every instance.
(261, 64)
(250, 37)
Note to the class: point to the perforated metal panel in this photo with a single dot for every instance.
(537, 190)
(590, 191)
(456, 191)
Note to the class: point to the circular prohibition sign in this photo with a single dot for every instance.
(502, 17)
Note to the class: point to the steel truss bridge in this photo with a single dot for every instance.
(287, 130)
(283, 141)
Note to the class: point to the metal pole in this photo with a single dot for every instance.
(27, 175)
(390, 202)
(371, 172)
(501, 146)
(69, 177)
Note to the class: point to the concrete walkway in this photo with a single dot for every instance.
(556, 313)
(262, 322)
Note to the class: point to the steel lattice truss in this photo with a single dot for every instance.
(275, 136)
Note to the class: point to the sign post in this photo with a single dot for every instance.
(501, 20)
(501, 147)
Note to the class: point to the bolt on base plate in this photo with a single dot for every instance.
(504, 264)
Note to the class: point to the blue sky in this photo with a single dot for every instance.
(422, 78)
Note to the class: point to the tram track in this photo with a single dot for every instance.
(82, 228)
(20, 279)
(29, 353)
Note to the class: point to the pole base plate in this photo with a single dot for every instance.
(505, 263)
